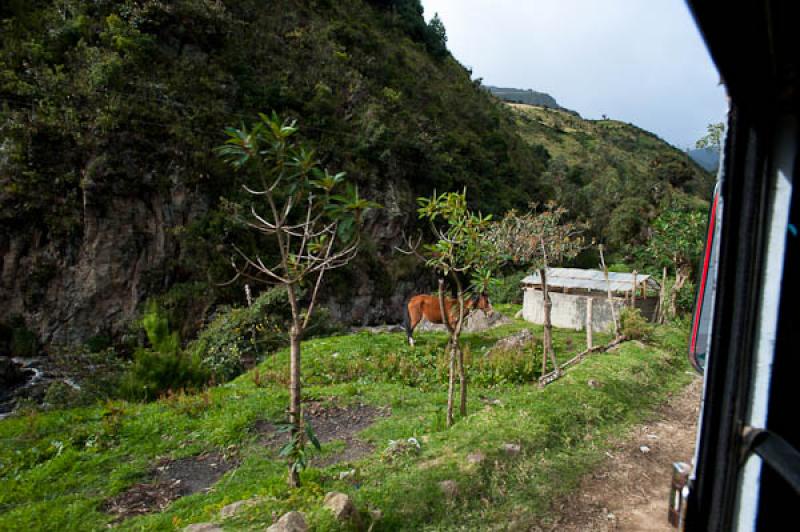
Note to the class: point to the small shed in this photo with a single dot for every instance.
(572, 290)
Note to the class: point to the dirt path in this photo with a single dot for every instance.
(629, 490)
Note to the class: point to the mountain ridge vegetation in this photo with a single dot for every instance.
(617, 176)
(111, 109)
(110, 193)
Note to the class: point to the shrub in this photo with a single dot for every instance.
(99, 342)
(238, 334)
(634, 325)
(686, 298)
(164, 367)
(59, 394)
(153, 374)
(246, 334)
(16, 340)
(507, 366)
(156, 326)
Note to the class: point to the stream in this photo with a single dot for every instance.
(25, 378)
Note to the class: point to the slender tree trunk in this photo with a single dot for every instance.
(295, 413)
(451, 381)
(662, 295)
(548, 325)
(680, 279)
(462, 374)
(451, 354)
(610, 299)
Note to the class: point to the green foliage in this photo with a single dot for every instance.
(619, 267)
(111, 106)
(676, 240)
(436, 37)
(508, 366)
(98, 374)
(154, 373)
(461, 246)
(617, 177)
(629, 222)
(366, 358)
(23, 342)
(634, 325)
(686, 298)
(16, 339)
(156, 326)
(238, 334)
(98, 342)
(507, 289)
(296, 449)
(59, 394)
(713, 138)
(163, 367)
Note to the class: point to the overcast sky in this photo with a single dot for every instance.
(639, 61)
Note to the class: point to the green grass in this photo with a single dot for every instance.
(56, 468)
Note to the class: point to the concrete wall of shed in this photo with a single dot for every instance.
(569, 310)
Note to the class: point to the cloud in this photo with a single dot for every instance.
(640, 61)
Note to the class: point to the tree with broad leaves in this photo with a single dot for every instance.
(312, 217)
(538, 239)
(676, 241)
(713, 138)
(460, 250)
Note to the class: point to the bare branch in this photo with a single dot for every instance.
(255, 192)
(411, 246)
(259, 266)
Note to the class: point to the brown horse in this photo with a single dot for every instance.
(428, 306)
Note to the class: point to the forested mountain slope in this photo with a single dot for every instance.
(109, 111)
(613, 175)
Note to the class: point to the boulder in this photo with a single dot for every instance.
(236, 507)
(341, 505)
(515, 341)
(290, 522)
(475, 321)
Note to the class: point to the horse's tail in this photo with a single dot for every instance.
(407, 319)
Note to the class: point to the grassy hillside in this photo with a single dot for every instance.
(614, 175)
(70, 469)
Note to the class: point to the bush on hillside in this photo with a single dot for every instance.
(634, 325)
(241, 335)
(164, 366)
(154, 374)
(16, 340)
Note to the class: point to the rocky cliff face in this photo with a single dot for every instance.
(70, 291)
(130, 250)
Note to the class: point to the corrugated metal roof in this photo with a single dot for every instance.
(590, 279)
